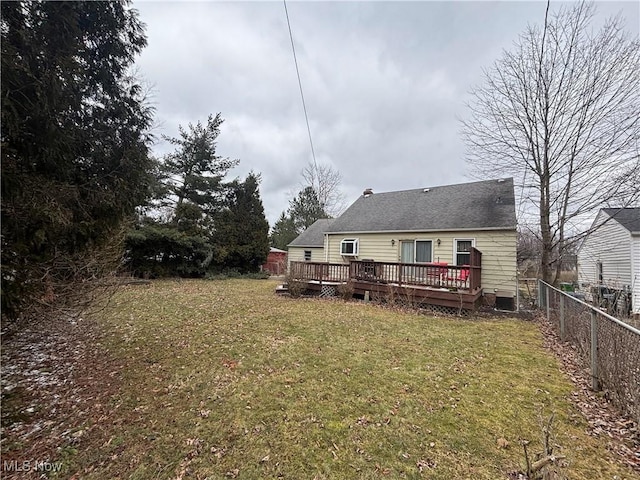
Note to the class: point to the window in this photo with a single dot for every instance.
(463, 251)
(423, 251)
(349, 247)
(307, 255)
(599, 272)
(416, 251)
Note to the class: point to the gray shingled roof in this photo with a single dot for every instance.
(488, 204)
(314, 235)
(629, 218)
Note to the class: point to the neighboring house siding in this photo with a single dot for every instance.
(635, 280)
(611, 245)
(498, 252)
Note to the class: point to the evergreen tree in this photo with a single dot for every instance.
(74, 128)
(283, 232)
(191, 184)
(166, 249)
(193, 171)
(305, 209)
(241, 230)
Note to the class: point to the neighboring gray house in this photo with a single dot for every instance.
(309, 245)
(610, 256)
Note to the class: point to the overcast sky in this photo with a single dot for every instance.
(385, 83)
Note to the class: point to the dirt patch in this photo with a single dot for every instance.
(57, 386)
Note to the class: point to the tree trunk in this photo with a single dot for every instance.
(545, 231)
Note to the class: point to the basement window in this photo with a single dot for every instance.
(349, 247)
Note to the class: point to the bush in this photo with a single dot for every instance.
(295, 287)
(345, 290)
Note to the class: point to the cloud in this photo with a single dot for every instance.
(385, 83)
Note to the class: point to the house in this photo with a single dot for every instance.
(309, 245)
(609, 257)
(276, 261)
(430, 239)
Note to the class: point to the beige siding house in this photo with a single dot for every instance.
(429, 225)
(498, 249)
(309, 245)
(610, 256)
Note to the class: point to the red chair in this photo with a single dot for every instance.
(461, 277)
(437, 272)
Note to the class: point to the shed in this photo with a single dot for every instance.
(276, 262)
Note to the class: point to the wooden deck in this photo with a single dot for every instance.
(452, 286)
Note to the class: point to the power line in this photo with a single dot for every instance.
(304, 105)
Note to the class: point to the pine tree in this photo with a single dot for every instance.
(283, 232)
(195, 191)
(241, 230)
(74, 135)
(305, 209)
(193, 171)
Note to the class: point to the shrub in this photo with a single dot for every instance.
(345, 290)
(295, 287)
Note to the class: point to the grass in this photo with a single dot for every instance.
(222, 379)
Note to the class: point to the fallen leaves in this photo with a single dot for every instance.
(502, 443)
(230, 364)
(289, 389)
(56, 386)
(605, 421)
(426, 464)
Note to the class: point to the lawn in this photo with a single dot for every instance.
(223, 379)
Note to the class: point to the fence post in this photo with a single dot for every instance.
(547, 297)
(539, 293)
(562, 317)
(594, 351)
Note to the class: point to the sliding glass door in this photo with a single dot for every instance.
(415, 251)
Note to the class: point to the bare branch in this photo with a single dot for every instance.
(326, 183)
(561, 114)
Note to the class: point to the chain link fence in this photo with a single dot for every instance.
(609, 347)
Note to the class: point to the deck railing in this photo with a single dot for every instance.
(438, 275)
(315, 271)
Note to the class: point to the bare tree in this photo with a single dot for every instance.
(326, 183)
(561, 114)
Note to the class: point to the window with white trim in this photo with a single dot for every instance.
(349, 247)
(463, 250)
(307, 255)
